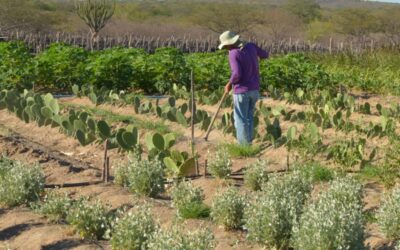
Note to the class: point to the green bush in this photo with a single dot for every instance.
(175, 238)
(111, 68)
(294, 71)
(19, 184)
(55, 206)
(270, 218)
(220, 166)
(188, 200)
(16, 66)
(90, 220)
(334, 221)
(227, 208)
(146, 177)
(133, 231)
(138, 58)
(389, 215)
(143, 177)
(61, 66)
(164, 68)
(211, 70)
(255, 175)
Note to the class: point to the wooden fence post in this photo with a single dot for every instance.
(205, 168)
(104, 175)
(40, 41)
(193, 111)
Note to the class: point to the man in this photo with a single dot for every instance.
(245, 79)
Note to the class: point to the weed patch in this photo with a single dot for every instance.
(236, 150)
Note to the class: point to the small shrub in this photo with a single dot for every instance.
(55, 206)
(335, 221)
(133, 231)
(19, 184)
(228, 207)
(189, 200)
(256, 175)
(389, 215)
(146, 177)
(176, 239)
(121, 174)
(221, 165)
(90, 220)
(270, 218)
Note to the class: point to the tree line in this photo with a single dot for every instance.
(272, 20)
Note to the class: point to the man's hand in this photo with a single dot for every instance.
(228, 87)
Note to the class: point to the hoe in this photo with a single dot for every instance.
(215, 116)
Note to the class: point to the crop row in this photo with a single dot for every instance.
(347, 153)
(61, 66)
(326, 112)
(45, 111)
(280, 215)
(170, 111)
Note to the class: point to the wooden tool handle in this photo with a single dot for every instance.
(215, 115)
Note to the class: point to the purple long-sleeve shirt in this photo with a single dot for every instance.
(245, 68)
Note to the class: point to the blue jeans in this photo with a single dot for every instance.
(244, 106)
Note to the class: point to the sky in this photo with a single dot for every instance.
(387, 1)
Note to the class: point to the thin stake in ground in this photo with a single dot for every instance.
(192, 121)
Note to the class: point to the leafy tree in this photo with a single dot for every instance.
(319, 29)
(355, 22)
(219, 17)
(306, 10)
(388, 20)
(280, 24)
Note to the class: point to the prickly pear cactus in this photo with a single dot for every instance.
(76, 90)
(171, 101)
(104, 129)
(181, 118)
(136, 103)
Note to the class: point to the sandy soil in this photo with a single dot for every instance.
(65, 161)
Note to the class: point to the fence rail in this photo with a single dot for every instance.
(39, 41)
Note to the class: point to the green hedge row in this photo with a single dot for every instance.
(61, 66)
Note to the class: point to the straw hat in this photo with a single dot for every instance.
(228, 38)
